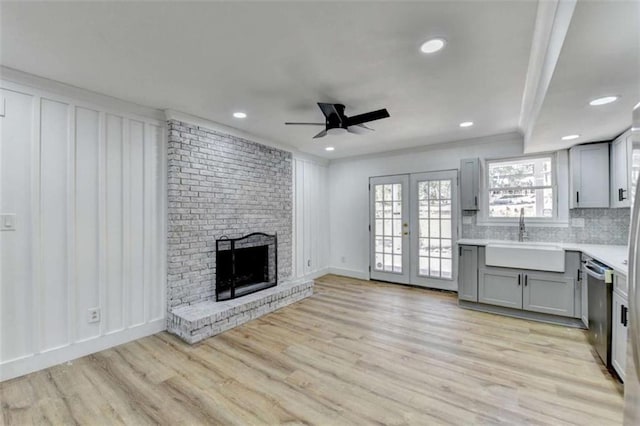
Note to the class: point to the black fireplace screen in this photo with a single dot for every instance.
(245, 265)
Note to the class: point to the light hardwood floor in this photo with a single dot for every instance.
(355, 353)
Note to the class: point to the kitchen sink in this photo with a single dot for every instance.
(540, 257)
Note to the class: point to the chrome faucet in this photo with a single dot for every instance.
(522, 233)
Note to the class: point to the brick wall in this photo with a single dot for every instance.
(221, 185)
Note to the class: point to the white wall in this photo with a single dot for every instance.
(87, 182)
(311, 218)
(349, 196)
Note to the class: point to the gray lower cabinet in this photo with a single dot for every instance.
(468, 273)
(548, 293)
(500, 286)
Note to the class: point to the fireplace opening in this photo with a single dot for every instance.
(245, 265)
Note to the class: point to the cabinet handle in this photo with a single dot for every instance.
(476, 200)
(519, 277)
(526, 279)
(578, 197)
(621, 196)
(579, 274)
(623, 313)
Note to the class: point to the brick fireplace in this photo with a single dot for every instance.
(222, 185)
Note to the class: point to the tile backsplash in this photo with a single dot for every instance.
(601, 226)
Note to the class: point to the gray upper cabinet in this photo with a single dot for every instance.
(500, 286)
(469, 183)
(589, 176)
(468, 273)
(621, 167)
(548, 293)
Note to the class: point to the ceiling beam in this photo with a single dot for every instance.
(552, 24)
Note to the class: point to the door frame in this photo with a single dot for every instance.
(410, 261)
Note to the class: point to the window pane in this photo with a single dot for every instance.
(445, 228)
(445, 189)
(388, 193)
(378, 189)
(508, 203)
(434, 266)
(388, 227)
(379, 244)
(388, 262)
(434, 228)
(445, 266)
(387, 209)
(397, 263)
(379, 262)
(423, 247)
(388, 245)
(397, 192)
(424, 228)
(520, 173)
(379, 211)
(424, 266)
(445, 249)
(397, 245)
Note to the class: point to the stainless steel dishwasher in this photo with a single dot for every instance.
(599, 293)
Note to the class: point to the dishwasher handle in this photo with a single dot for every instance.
(594, 273)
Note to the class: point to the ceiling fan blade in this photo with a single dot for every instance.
(288, 123)
(327, 109)
(359, 129)
(321, 134)
(367, 116)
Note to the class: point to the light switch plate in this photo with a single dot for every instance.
(7, 222)
(577, 222)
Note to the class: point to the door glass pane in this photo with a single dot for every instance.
(388, 227)
(435, 229)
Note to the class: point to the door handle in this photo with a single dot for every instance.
(578, 197)
(526, 279)
(519, 278)
(623, 314)
(405, 233)
(621, 196)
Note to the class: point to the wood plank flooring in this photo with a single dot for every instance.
(355, 353)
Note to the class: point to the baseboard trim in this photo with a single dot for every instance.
(349, 273)
(29, 364)
(527, 315)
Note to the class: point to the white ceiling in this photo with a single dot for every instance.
(600, 57)
(276, 60)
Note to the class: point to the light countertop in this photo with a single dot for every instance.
(613, 256)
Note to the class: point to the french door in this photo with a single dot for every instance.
(414, 229)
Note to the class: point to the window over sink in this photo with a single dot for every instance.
(520, 183)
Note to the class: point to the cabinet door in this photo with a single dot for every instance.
(468, 273)
(589, 178)
(469, 183)
(619, 324)
(548, 293)
(501, 287)
(620, 171)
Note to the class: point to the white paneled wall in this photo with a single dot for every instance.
(87, 183)
(311, 218)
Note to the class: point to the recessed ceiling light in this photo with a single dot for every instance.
(329, 148)
(570, 137)
(432, 46)
(603, 101)
(466, 124)
(239, 114)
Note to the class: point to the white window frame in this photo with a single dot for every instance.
(559, 185)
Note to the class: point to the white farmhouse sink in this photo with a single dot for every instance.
(525, 256)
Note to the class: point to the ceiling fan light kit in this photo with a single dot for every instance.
(337, 123)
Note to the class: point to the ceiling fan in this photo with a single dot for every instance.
(336, 122)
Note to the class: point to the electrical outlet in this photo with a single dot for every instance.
(94, 315)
